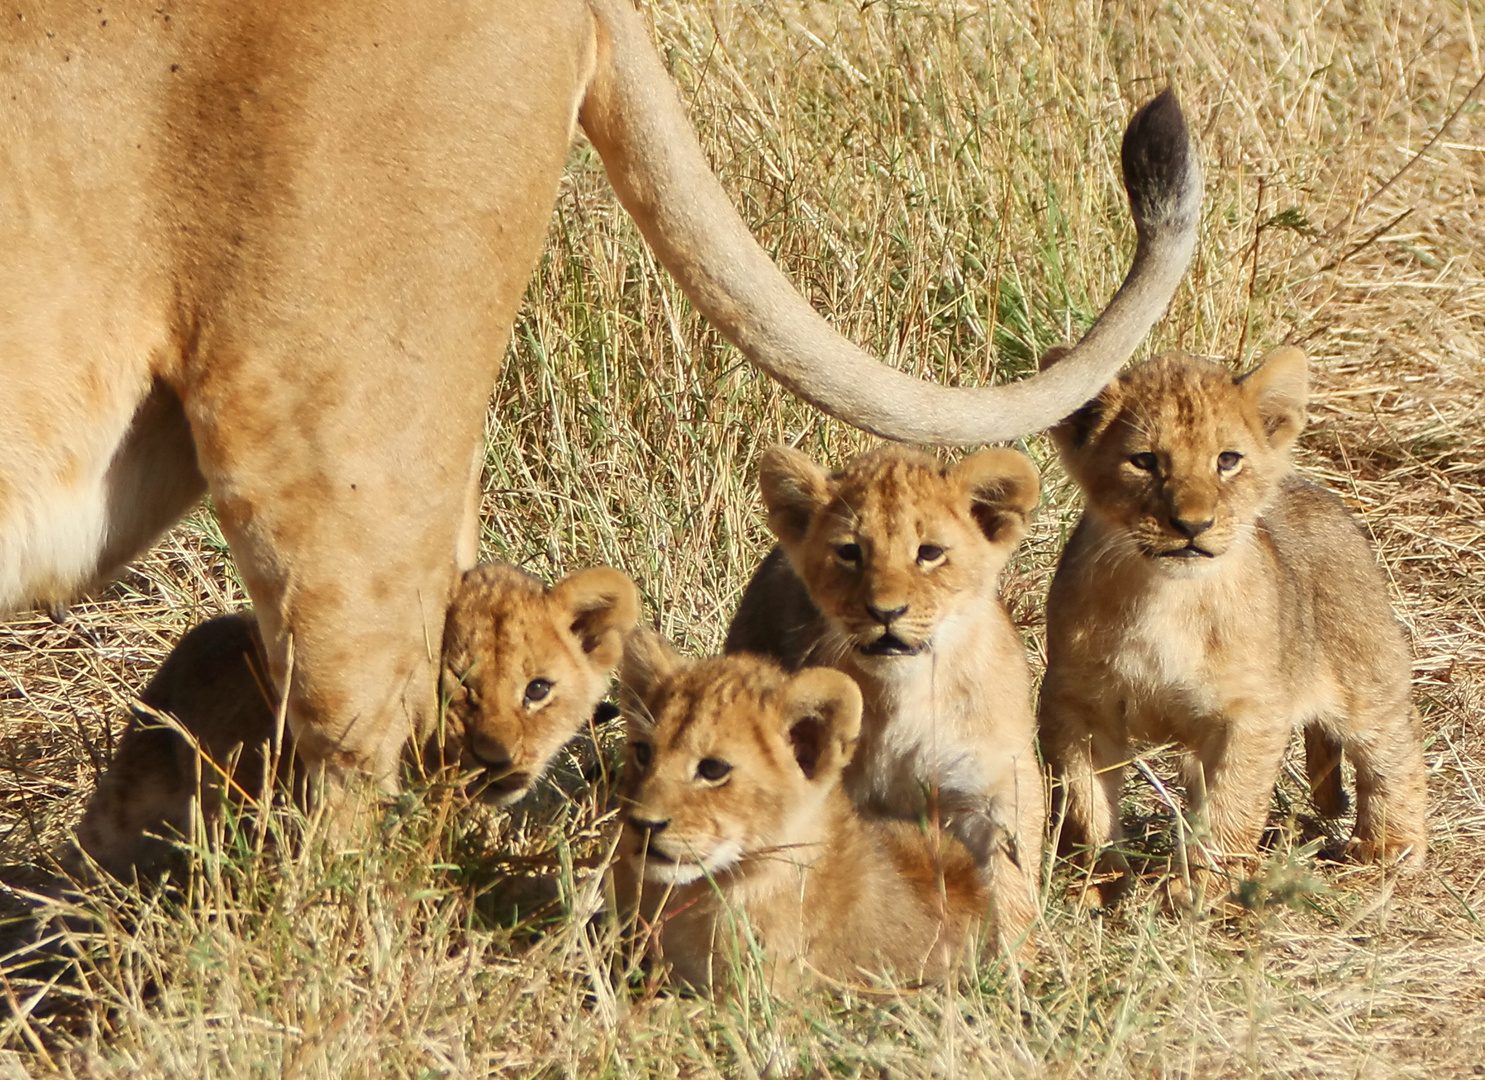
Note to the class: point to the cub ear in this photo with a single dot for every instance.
(1052, 355)
(794, 490)
(822, 719)
(1279, 387)
(1002, 487)
(601, 606)
(1080, 428)
(649, 663)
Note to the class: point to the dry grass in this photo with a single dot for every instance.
(941, 179)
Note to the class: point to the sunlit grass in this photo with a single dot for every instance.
(941, 180)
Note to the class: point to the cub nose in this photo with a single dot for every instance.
(490, 753)
(647, 826)
(1191, 528)
(886, 615)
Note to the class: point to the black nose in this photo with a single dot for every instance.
(647, 826)
(491, 754)
(1191, 529)
(886, 615)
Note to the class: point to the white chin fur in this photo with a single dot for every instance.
(664, 873)
(510, 798)
(1177, 567)
(683, 873)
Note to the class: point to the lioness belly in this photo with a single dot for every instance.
(281, 244)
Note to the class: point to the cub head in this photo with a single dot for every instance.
(525, 667)
(1180, 456)
(892, 546)
(730, 759)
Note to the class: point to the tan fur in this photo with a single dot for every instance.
(273, 251)
(737, 831)
(888, 571)
(524, 668)
(1212, 598)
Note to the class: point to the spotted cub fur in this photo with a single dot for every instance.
(737, 831)
(889, 571)
(524, 668)
(1212, 598)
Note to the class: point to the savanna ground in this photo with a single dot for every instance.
(941, 179)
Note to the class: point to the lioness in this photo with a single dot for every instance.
(273, 251)
(524, 667)
(1212, 598)
(737, 830)
(889, 571)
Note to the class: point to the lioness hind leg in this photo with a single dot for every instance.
(1323, 768)
(1391, 789)
(347, 526)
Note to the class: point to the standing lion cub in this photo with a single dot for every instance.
(524, 667)
(889, 571)
(737, 834)
(1211, 598)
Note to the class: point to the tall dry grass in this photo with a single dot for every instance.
(941, 180)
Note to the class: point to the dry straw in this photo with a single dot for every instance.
(941, 180)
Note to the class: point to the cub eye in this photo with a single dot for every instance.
(712, 769)
(537, 690)
(643, 751)
(1145, 462)
(1228, 460)
(848, 553)
(930, 553)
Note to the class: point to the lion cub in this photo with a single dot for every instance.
(524, 667)
(889, 571)
(737, 831)
(1212, 598)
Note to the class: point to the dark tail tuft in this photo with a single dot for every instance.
(1162, 170)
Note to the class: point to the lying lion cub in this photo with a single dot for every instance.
(888, 571)
(737, 832)
(1212, 598)
(524, 668)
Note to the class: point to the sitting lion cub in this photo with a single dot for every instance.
(1212, 598)
(524, 668)
(737, 832)
(889, 571)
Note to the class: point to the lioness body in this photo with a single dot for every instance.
(1212, 598)
(912, 613)
(772, 851)
(273, 251)
(524, 668)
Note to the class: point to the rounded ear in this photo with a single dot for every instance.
(794, 490)
(649, 663)
(1052, 355)
(1279, 387)
(822, 719)
(1078, 429)
(601, 605)
(1003, 487)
